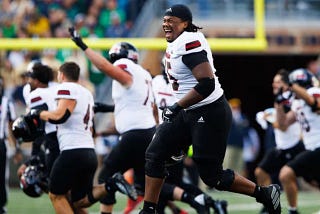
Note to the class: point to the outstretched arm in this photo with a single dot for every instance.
(100, 62)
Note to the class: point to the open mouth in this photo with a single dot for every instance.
(168, 33)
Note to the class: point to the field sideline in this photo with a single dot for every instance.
(19, 203)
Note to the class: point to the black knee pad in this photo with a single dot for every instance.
(155, 167)
(110, 199)
(91, 199)
(166, 193)
(226, 180)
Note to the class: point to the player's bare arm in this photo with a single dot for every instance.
(64, 106)
(100, 62)
(201, 72)
(301, 92)
(108, 68)
(284, 120)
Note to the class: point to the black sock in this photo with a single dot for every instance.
(187, 198)
(149, 207)
(257, 193)
(110, 186)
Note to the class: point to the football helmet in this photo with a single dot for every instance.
(301, 77)
(123, 50)
(23, 130)
(32, 63)
(33, 181)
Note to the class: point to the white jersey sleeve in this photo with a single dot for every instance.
(133, 105)
(309, 120)
(180, 76)
(76, 131)
(40, 97)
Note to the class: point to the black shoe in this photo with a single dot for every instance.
(123, 186)
(3, 210)
(201, 205)
(220, 207)
(270, 197)
(293, 212)
(263, 210)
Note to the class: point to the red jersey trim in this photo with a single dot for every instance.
(33, 100)
(193, 45)
(63, 92)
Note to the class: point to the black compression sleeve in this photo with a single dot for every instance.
(193, 59)
(63, 119)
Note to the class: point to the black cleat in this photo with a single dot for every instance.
(201, 205)
(293, 212)
(263, 210)
(220, 207)
(270, 197)
(123, 186)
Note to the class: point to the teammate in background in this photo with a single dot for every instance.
(288, 139)
(201, 117)
(7, 115)
(134, 121)
(42, 97)
(306, 111)
(74, 169)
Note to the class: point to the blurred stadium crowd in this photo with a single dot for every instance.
(51, 18)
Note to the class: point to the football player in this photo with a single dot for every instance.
(133, 99)
(7, 116)
(74, 169)
(174, 187)
(288, 139)
(305, 109)
(200, 117)
(41, 97)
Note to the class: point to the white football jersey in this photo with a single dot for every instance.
(180, 76)
(133, 105)
(76, 131)
(163, 94)
(309, 120)
(41, 96)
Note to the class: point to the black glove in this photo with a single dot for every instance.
(77, 39)
(33, 119)
(279, 97)
(101, 107)
(170, 112)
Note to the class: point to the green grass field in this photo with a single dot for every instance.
(19, 203)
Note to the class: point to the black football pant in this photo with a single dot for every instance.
(3, 161)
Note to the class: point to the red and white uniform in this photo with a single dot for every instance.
(163, 93)
(76, 131)
(133, 105)
(181, 77)
(309, 120)
(43, 96)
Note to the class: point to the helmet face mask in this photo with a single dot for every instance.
(123, 50)
(32, 181)
(22, 130)
(302, 77)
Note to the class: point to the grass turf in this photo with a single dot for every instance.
(19, 203)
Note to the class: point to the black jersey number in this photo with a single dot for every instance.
(175, 84)
(87, 117)
(149, 86)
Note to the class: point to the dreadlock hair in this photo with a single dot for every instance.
(192, 27)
